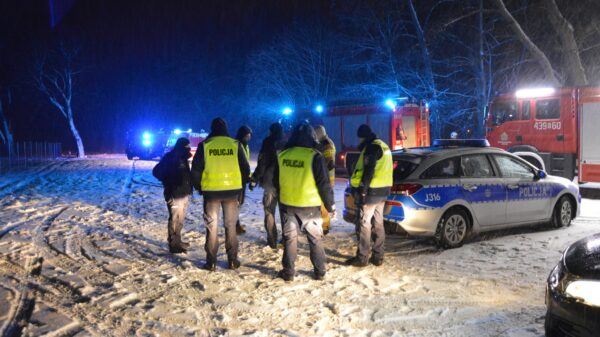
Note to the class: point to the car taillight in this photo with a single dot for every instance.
(406, 189)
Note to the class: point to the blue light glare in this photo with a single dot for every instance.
(390, 103)
(287, 111)
(189, 131)
(146, 142)
(146, 135)
(177, 131)
(319, 108)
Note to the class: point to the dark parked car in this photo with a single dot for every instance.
(573, 291)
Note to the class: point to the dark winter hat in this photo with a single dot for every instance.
(303, 135)
(276, 128)
(364, 131)
(218, 125)
(243, 131)
(181, 143)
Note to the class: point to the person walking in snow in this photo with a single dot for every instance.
(173, 171)
(219, 172)
(302, 182)
(263, 175)
(244, 134)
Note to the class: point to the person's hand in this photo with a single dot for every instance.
(360, 198)
(251, 184)
(333, 213)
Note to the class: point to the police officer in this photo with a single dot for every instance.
(327, 148)
(370, 183)
(302, 183)
(219, 172)
(263, 175)
(173, 171)
(244, 134)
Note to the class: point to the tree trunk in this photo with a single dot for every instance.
(6, 134)
(539, 55)
(78, 141)
(428, 68)
(480, 112)
(574, 67)
(9, 137)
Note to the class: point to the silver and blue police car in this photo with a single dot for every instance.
(457, 188)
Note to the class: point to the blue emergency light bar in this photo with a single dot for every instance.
(461, 143)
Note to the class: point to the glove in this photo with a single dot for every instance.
(359, 198)
(252, 184)
(333, 213)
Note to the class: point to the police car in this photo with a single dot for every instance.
(456, 188)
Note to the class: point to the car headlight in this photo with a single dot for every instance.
(586, 291)
(555, 276)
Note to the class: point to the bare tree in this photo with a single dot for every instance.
(573, 66)
(6, 135)
(566, 35)
(54, 78)
(299, 68)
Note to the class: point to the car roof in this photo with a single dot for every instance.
(446, 151)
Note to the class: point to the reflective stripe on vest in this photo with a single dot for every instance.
(221, 166)
(384, 168)
(296, 180)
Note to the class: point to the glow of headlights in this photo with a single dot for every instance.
(587, 291)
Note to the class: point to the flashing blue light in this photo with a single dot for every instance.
(146, 142)
(319, 108)
(427, 105)
(287, 111)
(189, 131)
(177, 131)
(146, 135)
(390, 103)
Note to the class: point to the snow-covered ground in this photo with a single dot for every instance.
(83, 252)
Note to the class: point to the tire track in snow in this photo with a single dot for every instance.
(20, 315)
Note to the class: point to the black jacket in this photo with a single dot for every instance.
(267, 161)
(198, 168)
(173, 171)
(373, 153)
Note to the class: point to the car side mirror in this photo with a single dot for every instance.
(541, 174)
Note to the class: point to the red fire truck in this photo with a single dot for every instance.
(399, 122)
(556, 126)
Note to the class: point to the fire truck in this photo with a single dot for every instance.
(555, 129)
(399, 122)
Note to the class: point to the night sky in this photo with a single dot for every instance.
(144, 64)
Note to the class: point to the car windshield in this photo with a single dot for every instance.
(503, 112)
(404, 165)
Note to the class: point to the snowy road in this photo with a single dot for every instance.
(83, 252)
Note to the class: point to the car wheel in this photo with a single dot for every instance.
(453, 228)
(563, 213)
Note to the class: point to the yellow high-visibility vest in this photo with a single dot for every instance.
(246, 149)
(297, 185)
(384, 168)
(221, 166)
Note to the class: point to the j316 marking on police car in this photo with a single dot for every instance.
(432, 197)
(533, 191)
